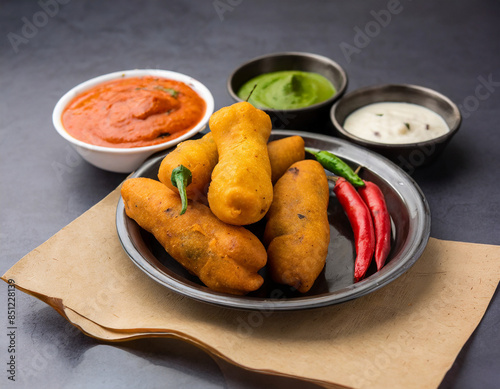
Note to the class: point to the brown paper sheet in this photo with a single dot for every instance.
(405, 335)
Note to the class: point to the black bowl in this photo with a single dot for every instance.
(409, 155)
(314, 118)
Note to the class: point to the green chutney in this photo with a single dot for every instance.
(288, 89)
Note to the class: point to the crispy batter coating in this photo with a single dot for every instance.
(226, 258)
(297, 232)
(283, 153)
(241, 190)
(200, 157)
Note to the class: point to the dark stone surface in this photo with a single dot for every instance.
(447, 46)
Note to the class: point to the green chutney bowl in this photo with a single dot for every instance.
(314, 118)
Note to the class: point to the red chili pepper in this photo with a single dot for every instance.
(374, 199)
(362, 225)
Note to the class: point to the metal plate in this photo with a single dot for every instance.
(407, 205)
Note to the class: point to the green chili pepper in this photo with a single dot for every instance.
(181, 177)
(334, 164)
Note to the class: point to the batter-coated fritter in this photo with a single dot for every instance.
(200, 157)
(226, 258)
(241, 190)
(297, 232)
(283, 153)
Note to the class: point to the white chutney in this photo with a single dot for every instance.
(395, 123)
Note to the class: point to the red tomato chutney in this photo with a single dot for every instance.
(133, 112)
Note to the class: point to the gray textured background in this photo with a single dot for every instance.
(446, 45)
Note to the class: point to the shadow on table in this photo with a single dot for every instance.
(195, 361)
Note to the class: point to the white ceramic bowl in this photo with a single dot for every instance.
(126, 160)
